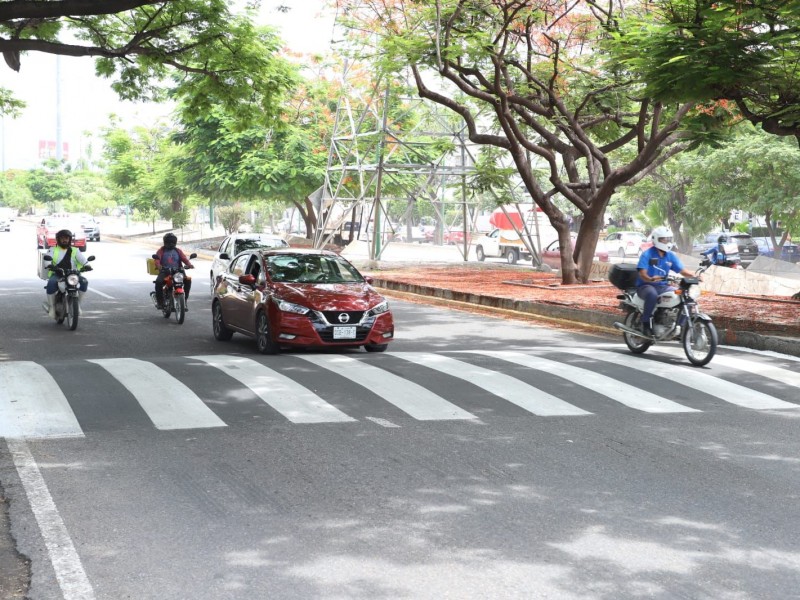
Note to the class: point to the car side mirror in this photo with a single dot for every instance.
(369, 279)
(653, 262)
(193, 255)
(224, 256)
(247, 280)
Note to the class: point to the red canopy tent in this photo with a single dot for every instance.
(502, 221)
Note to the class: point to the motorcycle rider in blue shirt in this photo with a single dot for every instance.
(717, 254)
(654, 266)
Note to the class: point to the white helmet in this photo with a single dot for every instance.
(662, 238)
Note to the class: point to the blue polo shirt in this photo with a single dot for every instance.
(668, 262)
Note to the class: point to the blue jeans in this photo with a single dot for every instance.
(52, 284)
(650, 293)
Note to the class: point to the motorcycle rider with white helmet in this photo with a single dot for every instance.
(654, 266)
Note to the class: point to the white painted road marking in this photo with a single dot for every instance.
(616, 390)
(702, 382)
(167, 401)
(509, 388)
(32, 404)
(294, 401)
(408, 396)
(65, 560)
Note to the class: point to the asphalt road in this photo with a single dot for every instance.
(477, 458)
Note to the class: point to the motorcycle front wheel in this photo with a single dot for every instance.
(636, 344)
(699, 340)
(180, 308)
(72, 312)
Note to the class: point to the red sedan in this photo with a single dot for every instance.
(49, 226)
(551, 255)
(299, 297)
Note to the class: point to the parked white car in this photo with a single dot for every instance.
(623, 243)
(238, 242)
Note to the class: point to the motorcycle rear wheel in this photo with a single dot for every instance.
(637, 345)
(180, 308)
(699, 340)
(72, 312)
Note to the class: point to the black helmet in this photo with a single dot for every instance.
(64, 233)
(723, 239)
(170, 240)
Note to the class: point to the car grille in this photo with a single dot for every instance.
(354, 317)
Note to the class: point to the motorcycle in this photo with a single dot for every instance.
(67, 300)
(677, 315)
(174, 295)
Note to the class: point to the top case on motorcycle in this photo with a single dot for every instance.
(623, 275)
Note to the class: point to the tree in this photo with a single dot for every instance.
(528, 77)
(195, 51)
(707, 50)
(755, 172)
(48, 185)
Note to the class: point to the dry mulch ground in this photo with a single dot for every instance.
(755, 313)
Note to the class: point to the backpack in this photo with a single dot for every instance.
(171, 258)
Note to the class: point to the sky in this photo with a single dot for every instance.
(86, 101)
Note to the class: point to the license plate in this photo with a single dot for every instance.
(344, 333)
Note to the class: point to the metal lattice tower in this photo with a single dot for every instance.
(371, 163)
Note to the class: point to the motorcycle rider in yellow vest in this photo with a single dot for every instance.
(65, 256)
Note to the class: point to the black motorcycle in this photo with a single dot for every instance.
(67, 300)
(174, 294)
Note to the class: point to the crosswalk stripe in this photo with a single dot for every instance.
(727, 391)
(32, 404)
(755, 367)
(509, 388)
(408, 396)
(168, 402)
(623, 393)
(294, 401)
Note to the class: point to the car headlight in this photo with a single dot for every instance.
(73, 279)
(178, 278)
(694, 291)
(291, 307)
(379, 309)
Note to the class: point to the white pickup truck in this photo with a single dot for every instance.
(505, 242)
(6, 217)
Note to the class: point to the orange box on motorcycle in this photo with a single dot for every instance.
(623, 275)
(40, 269)
(151, 266)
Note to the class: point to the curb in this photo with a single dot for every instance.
(600, 322)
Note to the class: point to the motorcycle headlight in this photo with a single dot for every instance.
(379, 309)
(694, 291)
(177, 278)
(73, 279)
(291, 307)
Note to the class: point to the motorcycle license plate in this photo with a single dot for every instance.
(344, 333)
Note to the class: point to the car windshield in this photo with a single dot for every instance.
(254, 244)
(311, 268)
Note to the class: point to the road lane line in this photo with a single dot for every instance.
(509, 388)
(726, 391)
(65, 560)
(91, 289)
(168, 402)
(294, 401)
(411, 398)
(32, 404)
(623, 393)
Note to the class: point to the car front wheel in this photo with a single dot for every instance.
(264, 341)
